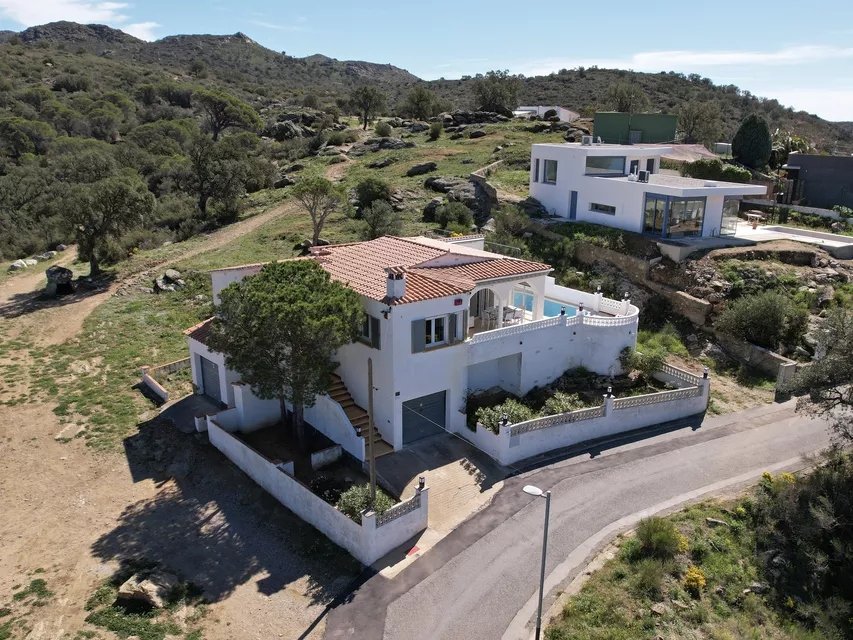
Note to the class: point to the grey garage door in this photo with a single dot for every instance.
(210, 379)
(424, 416)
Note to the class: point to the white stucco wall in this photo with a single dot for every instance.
(508, 449)
(254, 412)
(223, 277)
(226, 377)
(366, 542)
(627, 197)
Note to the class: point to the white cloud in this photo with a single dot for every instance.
(33, 12)
(277, 27)
(142, 30)
(830, 104)
(693, 60)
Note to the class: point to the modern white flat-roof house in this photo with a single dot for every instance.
(621, 186)
(443, 317)
(566, 115)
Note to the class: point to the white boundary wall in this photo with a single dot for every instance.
(516, 442)
(368, 541)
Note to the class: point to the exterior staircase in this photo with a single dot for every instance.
(358, 417)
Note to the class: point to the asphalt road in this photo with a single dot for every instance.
(480, 582)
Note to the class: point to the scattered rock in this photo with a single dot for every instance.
(18, 265)
(479, 133)
(283, 181)
(468, 161)
(713, 522)
(825, 296)
(679, 604)
(295, 167)
(380, 144)
(759, 587)
(659, 609)
(430, 208)
(152, 589)
(417, 127)
(30, 262)
(421, 168)
(381, 164)
(172, 274)
(443, 184)
(61, 247)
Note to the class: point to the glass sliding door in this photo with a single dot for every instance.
(655, 211)
(685, 217)
(728, 226)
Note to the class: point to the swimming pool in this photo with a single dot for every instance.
(552, 307)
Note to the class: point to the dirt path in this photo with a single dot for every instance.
(73, 512)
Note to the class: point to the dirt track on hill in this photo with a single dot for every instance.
(74, 512)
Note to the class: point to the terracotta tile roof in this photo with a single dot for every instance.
(472, 236)
(200, 331)
(364, 267)
(486, 269)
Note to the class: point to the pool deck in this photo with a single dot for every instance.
(838, 246)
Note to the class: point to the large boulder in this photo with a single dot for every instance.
(430, 209)
(283, 181)
(478, 133)
(173, 275)
(381, 164)
(417, 127)
(443, 184)
(60, 281)
(421, 168)
(152, 589)
(17, 265)
(31, 262)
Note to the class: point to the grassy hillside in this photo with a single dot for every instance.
(238, 64)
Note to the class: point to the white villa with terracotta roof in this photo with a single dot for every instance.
(443, 318)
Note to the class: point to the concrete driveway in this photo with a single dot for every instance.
(460, 477)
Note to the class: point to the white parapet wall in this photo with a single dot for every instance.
(376, 536)
(515, 442)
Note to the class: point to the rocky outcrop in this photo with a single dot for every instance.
(380, 144)
(152, 589)
(421, 168)
(443, 184)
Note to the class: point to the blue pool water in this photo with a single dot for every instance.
(552, 308)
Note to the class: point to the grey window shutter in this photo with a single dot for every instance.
(374, 332)
(451, 328)
(465, 324)
(418, 336)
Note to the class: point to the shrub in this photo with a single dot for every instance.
(562, 403)
(383, 129)
(492, 417)
(659, 538)
(694, 580)
(648, 578)
(715, 169)
(645, 363)
(72, 83)
(370, 190)
(357, 498)
(550, 113)
(456, 229)
(631, 550)
(752, 143)
(381, 220)
(336, 138)
(435, 130)
(765, 319)
(454, 212)
(511, 220)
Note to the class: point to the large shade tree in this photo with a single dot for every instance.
(368, 101)
(103, 210)
(321, 198)
(497, 91)
(699, 122)
(280, 330)
(222, 111)
(627, 97)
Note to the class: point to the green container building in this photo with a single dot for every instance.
(616, 127)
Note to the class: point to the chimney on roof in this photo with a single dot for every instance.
(396, 283)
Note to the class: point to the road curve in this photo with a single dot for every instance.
(479, 581)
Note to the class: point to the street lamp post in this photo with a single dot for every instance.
(536, 491)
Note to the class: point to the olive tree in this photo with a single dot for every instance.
(321, 199)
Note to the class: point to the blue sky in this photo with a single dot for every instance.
(799, 53)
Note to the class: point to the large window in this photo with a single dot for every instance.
(728, 226)
(550, 172)
(605, 165)
(673, 217)
(435, 331)
(685, 218)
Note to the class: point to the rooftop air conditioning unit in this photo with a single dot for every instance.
(643, 176)
(586, 141)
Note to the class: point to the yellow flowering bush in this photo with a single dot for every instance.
(694, 580)
(683, 544)
(785, 477)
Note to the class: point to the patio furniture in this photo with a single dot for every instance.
(517, 316)
(490, 318)
(754, 219)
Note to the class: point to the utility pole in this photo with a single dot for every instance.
(371, 450)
